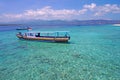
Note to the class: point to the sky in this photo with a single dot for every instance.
(18, 10)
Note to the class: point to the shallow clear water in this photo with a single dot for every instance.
(93, 53)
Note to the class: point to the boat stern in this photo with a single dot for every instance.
(19, 35)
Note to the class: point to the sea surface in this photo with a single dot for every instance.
(93, 53)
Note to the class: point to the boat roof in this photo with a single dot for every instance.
(48, 32)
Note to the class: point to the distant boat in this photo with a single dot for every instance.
(116, 24)
(53, 36)
(24, 28)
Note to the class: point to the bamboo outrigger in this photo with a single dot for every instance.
(54, 36)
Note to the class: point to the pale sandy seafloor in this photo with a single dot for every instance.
(93, 53)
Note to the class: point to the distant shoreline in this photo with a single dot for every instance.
(62, 22)
(10, 24)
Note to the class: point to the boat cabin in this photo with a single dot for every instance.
(47, 34)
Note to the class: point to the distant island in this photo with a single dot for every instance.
(62, 22)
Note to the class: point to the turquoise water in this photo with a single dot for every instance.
(93, 53)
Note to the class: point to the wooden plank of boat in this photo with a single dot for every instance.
(45, 38)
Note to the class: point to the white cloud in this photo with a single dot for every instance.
(102, 10)
(91, 6)
(48, 13)
(82, 11)
(107, 8)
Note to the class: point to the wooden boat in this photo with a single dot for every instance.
(25, 28)
(56, 36)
